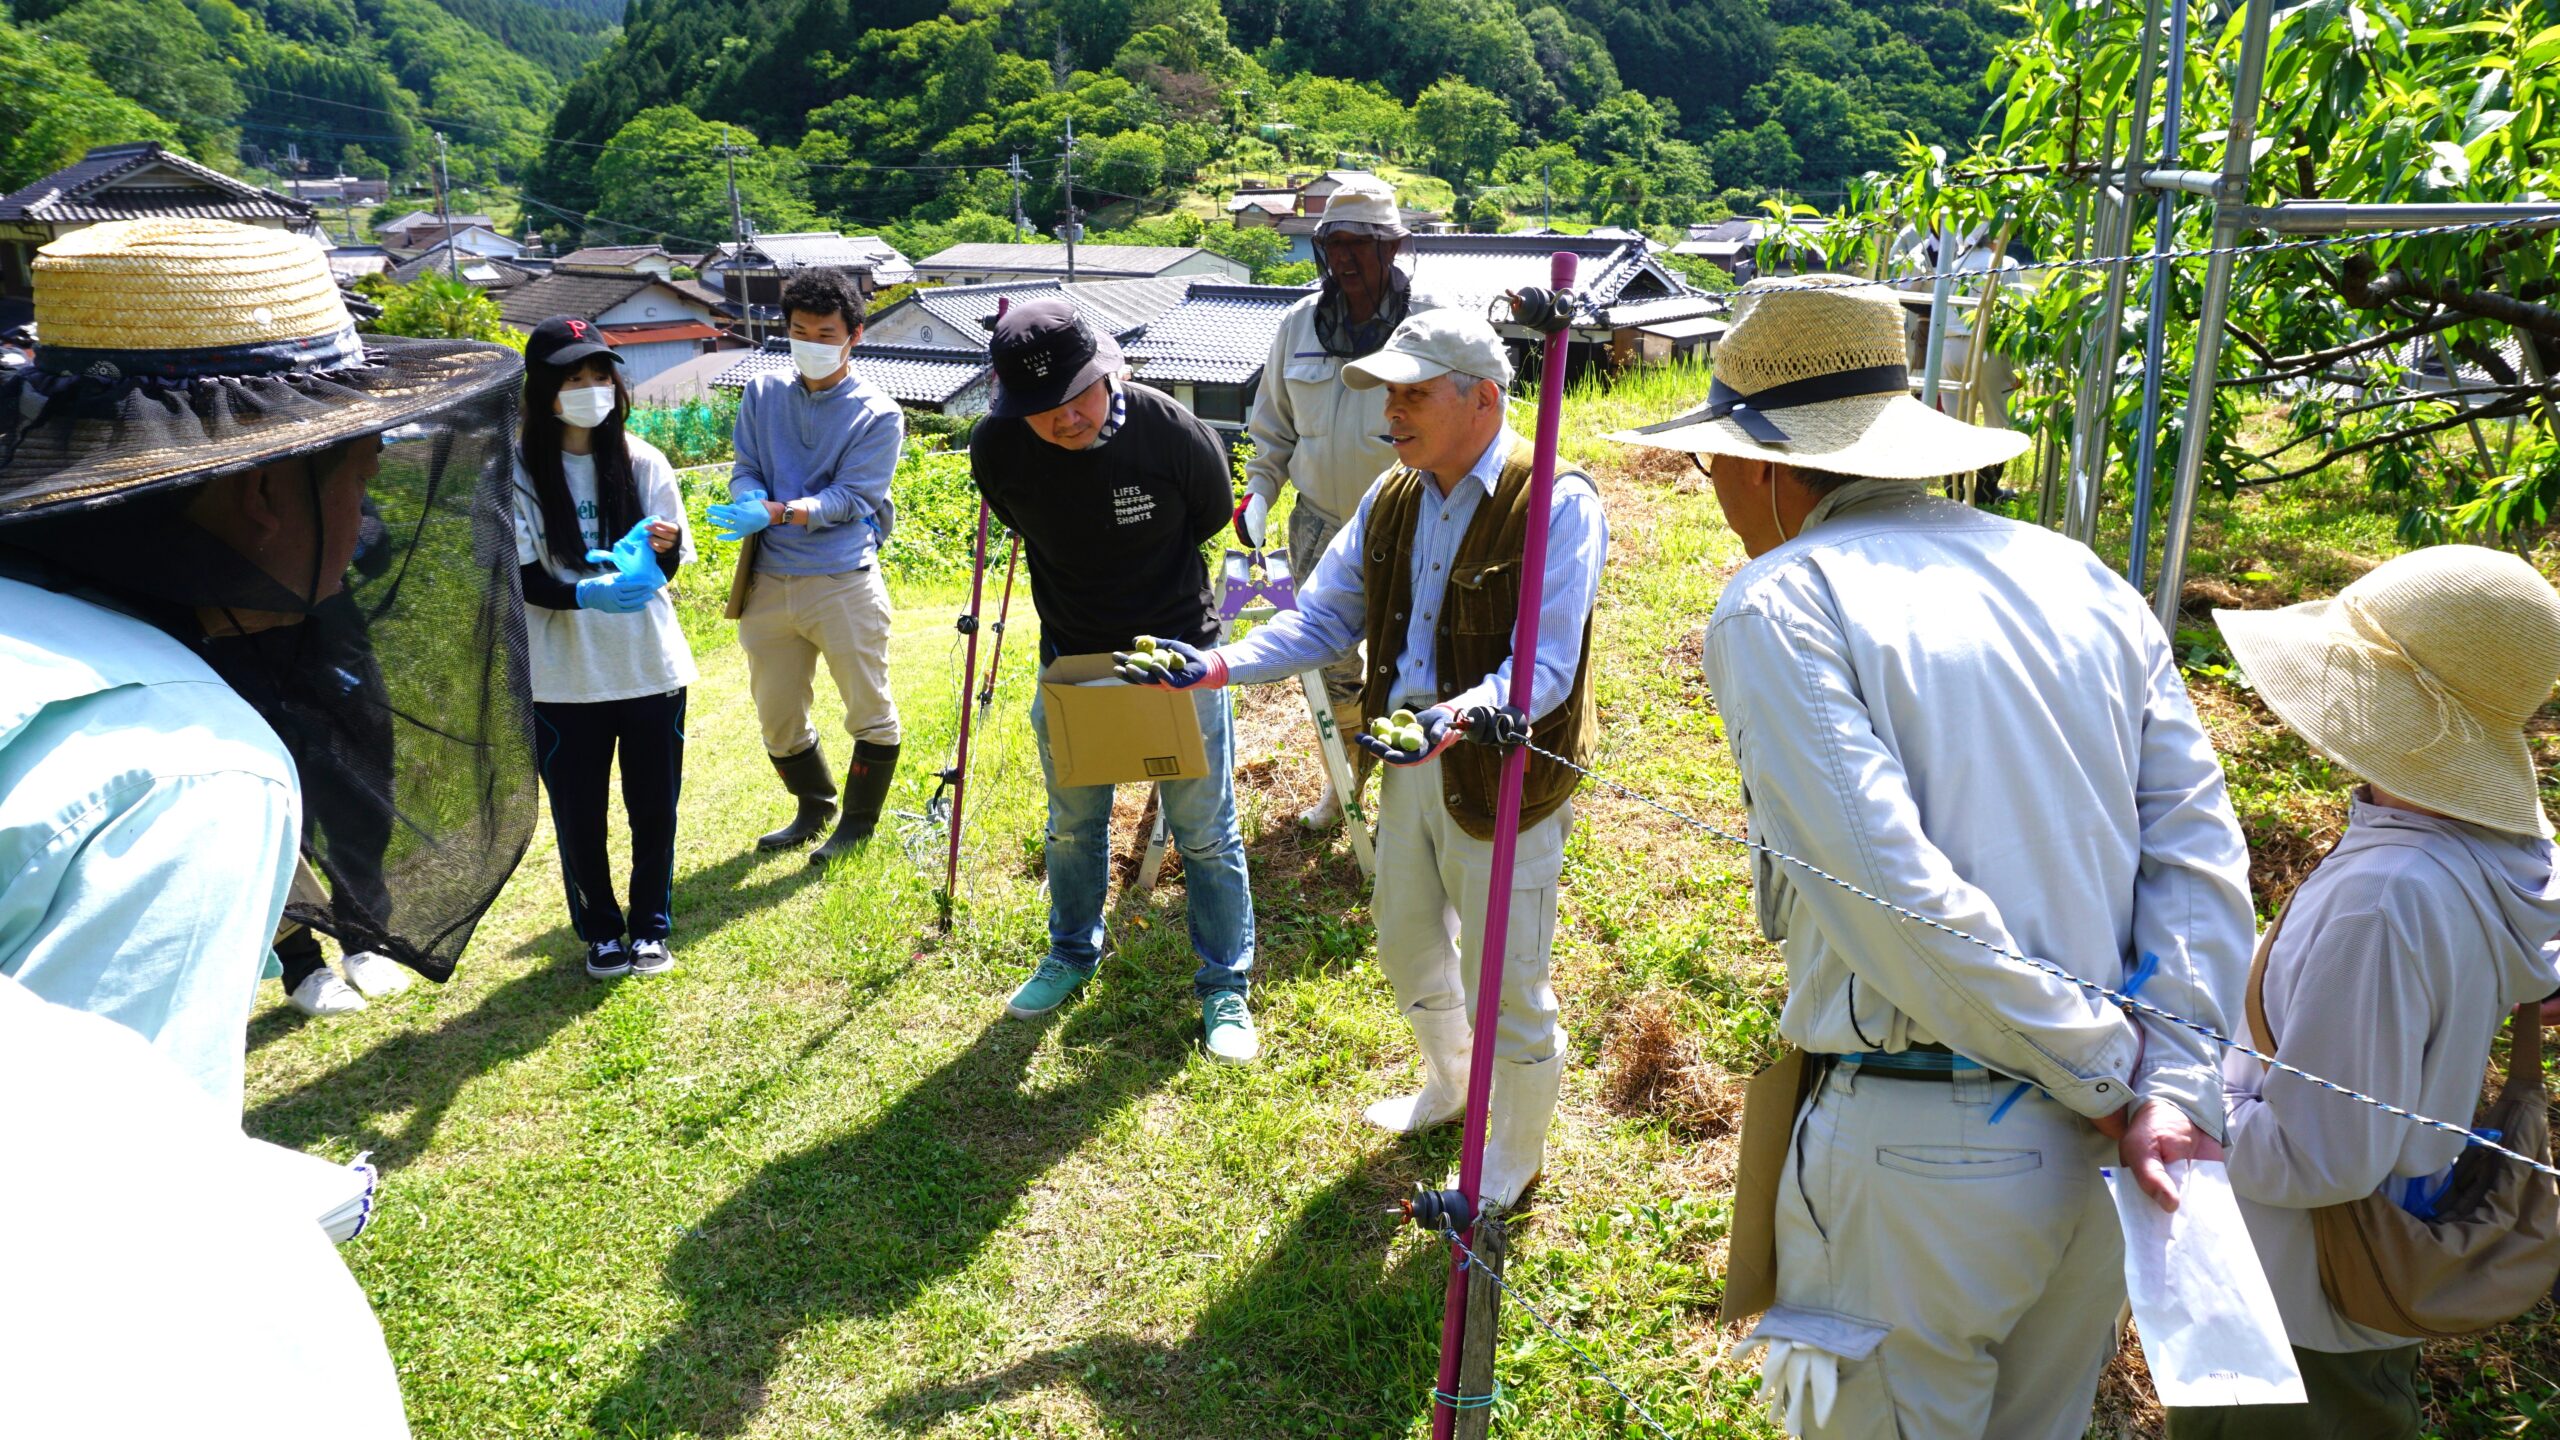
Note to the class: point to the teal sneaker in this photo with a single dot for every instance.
(1226, 1028)
(1049, 987)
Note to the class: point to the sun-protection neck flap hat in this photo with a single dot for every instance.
(1812, 375)
(1044, 356)
(1364, 205)
(2419, 677)
(174, 350)
(1430, 345)
(390, 657)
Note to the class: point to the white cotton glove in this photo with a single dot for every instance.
(1795, 1378)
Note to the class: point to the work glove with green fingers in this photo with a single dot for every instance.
(1409, 738)
(1170, 665)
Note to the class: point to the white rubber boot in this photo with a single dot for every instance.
(1445, 1039)
(1515, 1142)
(1326, 813)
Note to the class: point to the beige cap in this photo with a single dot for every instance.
(1812, 375)
(1432, 344)
(1367, 201)
(2419, 677)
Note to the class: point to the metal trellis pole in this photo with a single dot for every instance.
(1004, 613)
(1506, 842)
(2155, 329)
(2232, 192)
(2097, 420)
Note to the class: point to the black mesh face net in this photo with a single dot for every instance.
(402, 693)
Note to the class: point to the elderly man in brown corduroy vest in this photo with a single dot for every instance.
(1427, 572)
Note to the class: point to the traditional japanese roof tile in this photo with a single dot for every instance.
(478, 270)
(133, 182)
(805, 249)
(908, 374)
(1219, 335)
(1116, 306)
(1471, 271)
(614, 257)
(1114, 261)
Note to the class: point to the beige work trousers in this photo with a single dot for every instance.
(1991, 1249)
(1433, 879)
(791, 620)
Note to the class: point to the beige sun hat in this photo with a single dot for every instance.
(1365, 201)
(175, 349)
(2419, 677)
(1813, 375)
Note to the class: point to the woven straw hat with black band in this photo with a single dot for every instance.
(1812, 375)
(2419, 677)
(176, 350)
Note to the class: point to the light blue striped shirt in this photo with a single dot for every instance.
(1332, 614)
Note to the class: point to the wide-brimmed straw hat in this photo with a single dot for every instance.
(2419, 677)
(175, 350)
(1812, 375)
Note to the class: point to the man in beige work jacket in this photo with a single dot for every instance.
(1975, 720)
(1312, 431)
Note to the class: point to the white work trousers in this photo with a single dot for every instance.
(1990, 1248)
(1429, 904)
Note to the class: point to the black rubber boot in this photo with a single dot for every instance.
(866, 789)
(804, 775)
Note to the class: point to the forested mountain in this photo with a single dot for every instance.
(1646, 111)
(323, 77)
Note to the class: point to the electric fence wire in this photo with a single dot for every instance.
(1470, 1260)
(2047, 967)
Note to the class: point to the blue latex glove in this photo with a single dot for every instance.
(1440, 730)
(615, 594)
(741, 517)
(1192, 670)
(633, 557)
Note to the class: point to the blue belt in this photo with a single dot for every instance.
(1932, 1062)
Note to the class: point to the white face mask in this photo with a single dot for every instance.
(587, 406)
(817, 361)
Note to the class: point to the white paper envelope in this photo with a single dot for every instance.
(2201, 1301)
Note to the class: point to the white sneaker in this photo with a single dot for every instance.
(375, 974)
(1326, 813)
(323, 993)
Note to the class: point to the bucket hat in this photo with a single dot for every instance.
(1813, 375)
(2419, 677)
(173, 350)
(1044, 356)
(1364, 205)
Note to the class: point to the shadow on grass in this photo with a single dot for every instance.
(1335, 1332)
(420, 1072)
(861, 1224)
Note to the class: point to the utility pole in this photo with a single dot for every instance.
(444, 213)
(738, 232)
(1073, 230)
(1021, 227)
(1547, 198)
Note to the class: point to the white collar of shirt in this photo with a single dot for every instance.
(1487, 471)
(1851, 495)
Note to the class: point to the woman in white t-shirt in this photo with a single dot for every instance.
(609, 660)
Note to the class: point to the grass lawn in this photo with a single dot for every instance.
(815, 1184)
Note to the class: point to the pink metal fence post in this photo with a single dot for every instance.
(1506, 842)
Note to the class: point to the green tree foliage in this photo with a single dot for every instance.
(1466, 129)
(155, 54)
(651, 177)
(61, 108)
(2375, 101)
(438, 307)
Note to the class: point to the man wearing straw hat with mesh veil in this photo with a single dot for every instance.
(2394, 962)
(1975, 720)
(184, 475)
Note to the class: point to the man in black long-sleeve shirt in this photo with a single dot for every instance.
(1113, 489)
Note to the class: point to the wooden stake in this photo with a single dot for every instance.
(1484, 1302)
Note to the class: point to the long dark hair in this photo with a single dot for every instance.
(538, 450)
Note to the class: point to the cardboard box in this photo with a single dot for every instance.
(1105, 731)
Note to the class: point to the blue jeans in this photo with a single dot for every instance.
(1203, 816)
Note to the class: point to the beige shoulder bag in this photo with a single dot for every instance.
(2493, 1248)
